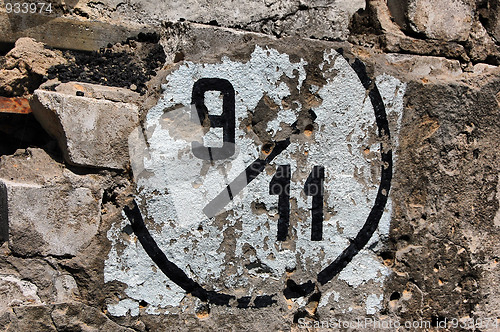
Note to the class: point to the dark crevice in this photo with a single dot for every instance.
(5, 48)
(133, 63)
(21, 131)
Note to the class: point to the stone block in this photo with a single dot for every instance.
(66, 288)
(28, 61)
(90, 132)
(14, 291)
(4, 224)
(53, 214)
(89, 90)
(448, 20)
(86, 35)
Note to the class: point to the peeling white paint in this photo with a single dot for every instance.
(363, 268)
(373, 303)
(123, 307)
(325, 299)
(174, 186)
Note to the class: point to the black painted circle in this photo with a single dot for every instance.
(174, 273)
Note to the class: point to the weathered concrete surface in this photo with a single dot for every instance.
(441, 249)
(90, 132)
(79, 33)
(60, 229)
(444, 242)
(310, 18)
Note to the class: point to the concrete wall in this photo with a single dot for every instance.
(279, 165)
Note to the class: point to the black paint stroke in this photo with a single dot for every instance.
(242, 180)
(293, 290)
(172, 271)
(314, 187)
(372, 221)
(226, 120)
(280, 185)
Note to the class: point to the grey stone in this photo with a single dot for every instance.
(489, 14)
(66, 289)
(319, 23)
(48, 227)
(318, 18)
(32, 318)
(14, 291)
(63, 214)
(376, 26)
(18, 167)
(80, 317)
(223, 12)
(88, 35)
(482, 46)
(39, 272)
(448, 20)
(421, 67)
(99, 92)
(90, 132)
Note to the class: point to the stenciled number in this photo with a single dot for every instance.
(314, 187)
(280, 185)
(226, 120)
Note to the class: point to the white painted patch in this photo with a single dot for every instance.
(325, 299)
(174, 186)
(213, 101)
(214, 138)
(363, 268)
(373, 304)
(123, 307)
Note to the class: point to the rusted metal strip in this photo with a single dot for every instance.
(14, 105)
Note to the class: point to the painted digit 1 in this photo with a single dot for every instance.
(280, 185)
(226, 120)
(314, 187)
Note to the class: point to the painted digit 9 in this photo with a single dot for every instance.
(226, 120)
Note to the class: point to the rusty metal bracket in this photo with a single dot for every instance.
(14, 105)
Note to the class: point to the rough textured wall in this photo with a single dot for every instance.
(279, 165)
